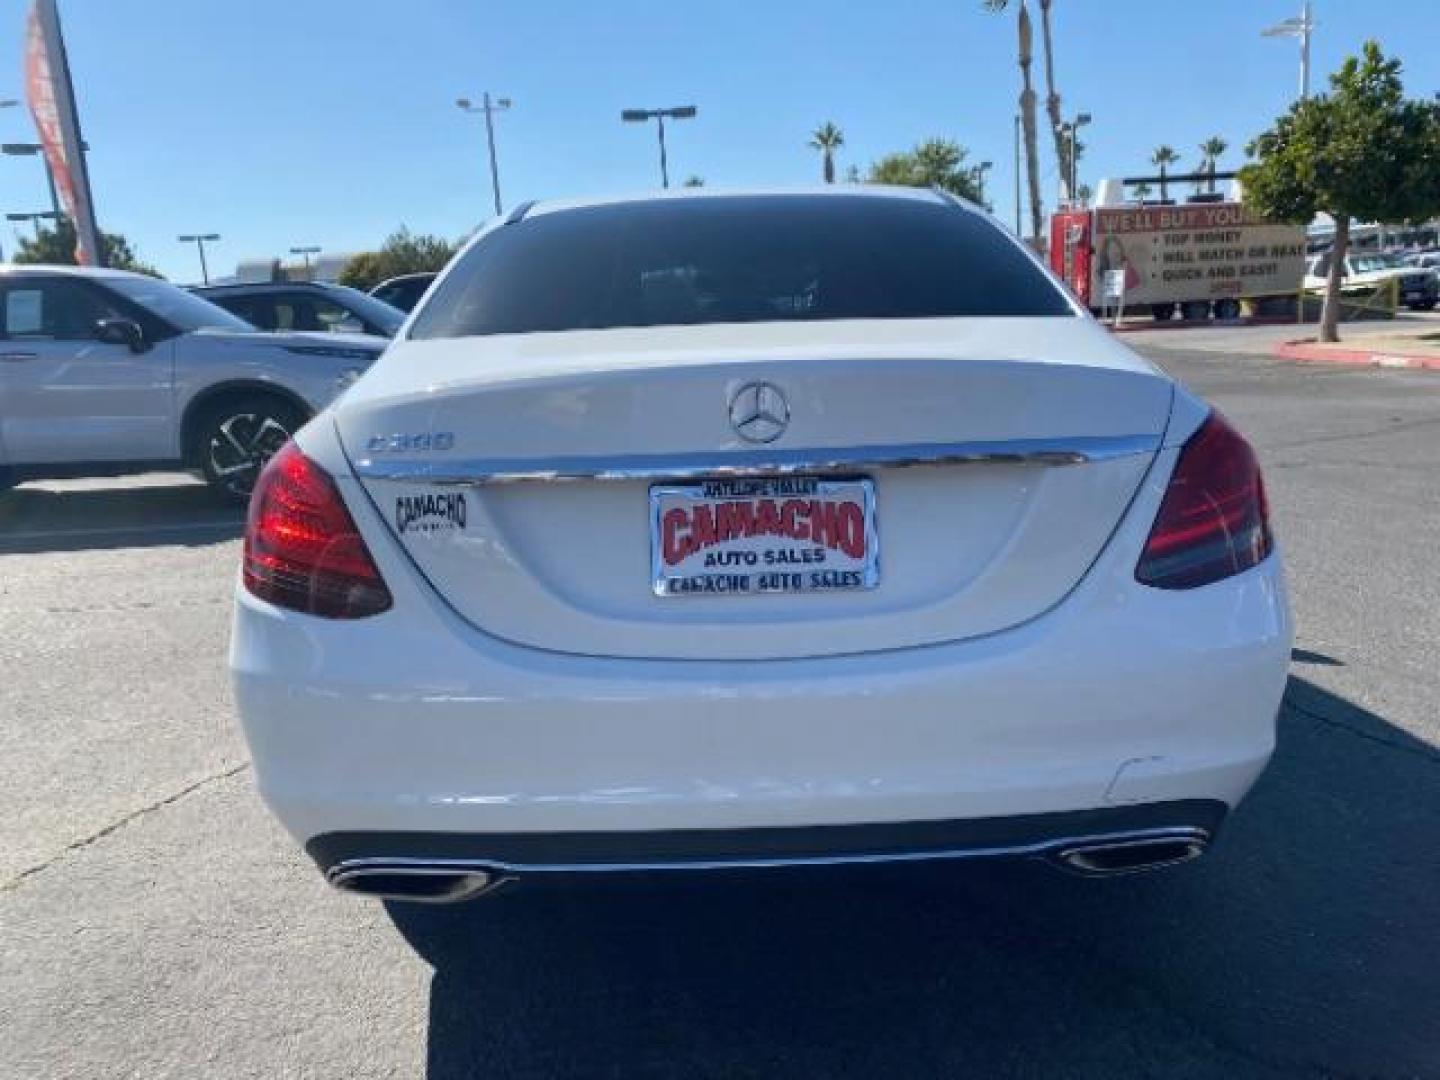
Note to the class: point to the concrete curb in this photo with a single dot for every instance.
(1312, 352)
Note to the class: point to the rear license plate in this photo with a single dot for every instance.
(758, 535)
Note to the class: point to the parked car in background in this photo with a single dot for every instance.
(105, 372)
(1417, 289)
(586, 579)
(306, 305)
(405, 291)
(1424, 260)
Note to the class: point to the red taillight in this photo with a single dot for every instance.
(302, 549)
(1213, 521)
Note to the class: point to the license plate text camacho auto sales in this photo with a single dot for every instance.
(763, 535)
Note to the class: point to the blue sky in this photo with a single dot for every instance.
(281, 122)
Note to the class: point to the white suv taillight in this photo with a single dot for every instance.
(302, 549)
(1213, 521)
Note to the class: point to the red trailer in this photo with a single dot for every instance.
(1200, 258)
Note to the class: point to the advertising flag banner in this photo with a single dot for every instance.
(52, 104)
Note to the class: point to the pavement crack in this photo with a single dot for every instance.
(119, 823)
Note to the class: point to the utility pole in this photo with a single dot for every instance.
(678, 112)
(489, 107)
(1301, 26)
(200, 240)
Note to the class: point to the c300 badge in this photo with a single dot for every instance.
(412, 442)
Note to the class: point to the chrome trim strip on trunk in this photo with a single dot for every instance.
(761, 461)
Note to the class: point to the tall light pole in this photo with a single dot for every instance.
(489, 107)
(306, 252)
(35, 150)
(34, 219)
(1017, 174)
(640, 116)
(1301, 26)
(1081, 119)
(980, 171)
(200, 240)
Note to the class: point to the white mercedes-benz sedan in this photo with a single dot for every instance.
(712, 530)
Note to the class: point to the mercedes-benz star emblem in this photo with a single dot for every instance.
(759, 412)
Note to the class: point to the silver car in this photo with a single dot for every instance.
(105, 372)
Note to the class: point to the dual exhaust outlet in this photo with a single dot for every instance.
(450, 881)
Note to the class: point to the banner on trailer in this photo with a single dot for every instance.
(1199, 252)
(52, 104)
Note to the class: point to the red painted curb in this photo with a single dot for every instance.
(1311, 352)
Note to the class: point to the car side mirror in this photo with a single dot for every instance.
(125, 332)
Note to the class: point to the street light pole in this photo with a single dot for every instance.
(678, 112)
(35, 150)
(34, 219)
(200, 240)
(1297, 27)
(314, 249)
(980, 171)
(1017, 174)
(489, 107)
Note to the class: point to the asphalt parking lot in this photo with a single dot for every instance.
(155, 922)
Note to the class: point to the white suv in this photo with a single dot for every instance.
(105, 372)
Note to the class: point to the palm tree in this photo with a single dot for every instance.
(1164, 157)
(1027, 112)
(1210, 151)
(1142, 191)
(1052, 97)
(827, 139)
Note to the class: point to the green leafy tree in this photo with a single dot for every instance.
(1142, 191)
(1362, 151)
(1163, 158)
(403, 252)
(827, 138)
(694, 181)
(56, 247)
(938, 163)
(1211, 151)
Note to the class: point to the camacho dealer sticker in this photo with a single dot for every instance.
(430, 513)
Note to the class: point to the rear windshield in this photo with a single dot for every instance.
(736, 259)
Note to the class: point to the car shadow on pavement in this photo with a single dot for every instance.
(37, 518)
(1305, 943)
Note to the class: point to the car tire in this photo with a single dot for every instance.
(1227, 309)
(1423, 305)
(235, 440)
(1162, 312)
(1195, 311)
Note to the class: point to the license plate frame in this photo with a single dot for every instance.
(748, 550)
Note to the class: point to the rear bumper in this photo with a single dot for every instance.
(1111, 701)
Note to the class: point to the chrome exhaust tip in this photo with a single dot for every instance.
(417, 883)
(1131, 855)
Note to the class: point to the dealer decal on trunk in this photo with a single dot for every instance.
(430, 513)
